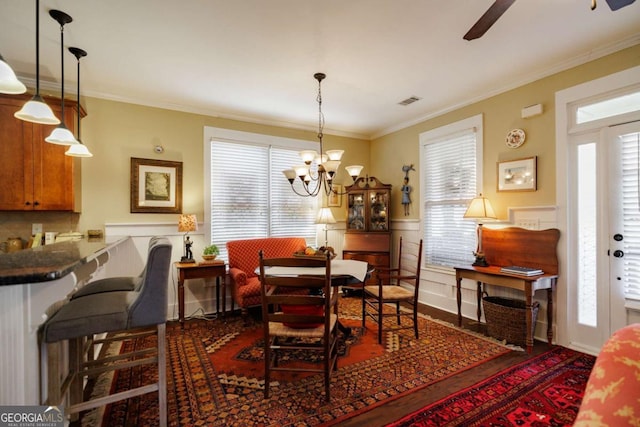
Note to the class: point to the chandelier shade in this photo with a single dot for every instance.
(318, 169)
(9, 83)
(61, 135)
(36, 110)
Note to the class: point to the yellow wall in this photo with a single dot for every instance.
(116, 131)
(501, 114)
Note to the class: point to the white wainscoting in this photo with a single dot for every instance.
(199, 295)
(437, 285)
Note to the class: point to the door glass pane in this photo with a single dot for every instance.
(586, 207)
(630, 157)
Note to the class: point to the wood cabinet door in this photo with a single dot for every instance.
(53, 187)
(16, 181)
(34, 174)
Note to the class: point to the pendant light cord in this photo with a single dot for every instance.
(37, 47)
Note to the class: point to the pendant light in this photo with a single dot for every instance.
(36, 110)
(9, 83)
(79, 149)
(61, 135)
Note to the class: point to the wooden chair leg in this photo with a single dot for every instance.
(380, 318)
(415, 318)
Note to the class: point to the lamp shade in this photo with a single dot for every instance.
(325, 217)
(9, 83)
(480, 208)
(61, 135)
(37, 111)
(78, 150)
(187, 222)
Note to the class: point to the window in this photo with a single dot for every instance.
(249, 195)
(450, 176)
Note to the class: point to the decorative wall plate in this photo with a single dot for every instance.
(515, 138)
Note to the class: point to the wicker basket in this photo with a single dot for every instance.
(506, 318)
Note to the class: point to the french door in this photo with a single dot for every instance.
(605, 219)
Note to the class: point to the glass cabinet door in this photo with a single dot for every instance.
(379, 208)
(356, 211)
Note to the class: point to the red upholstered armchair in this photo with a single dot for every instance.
(244, 260)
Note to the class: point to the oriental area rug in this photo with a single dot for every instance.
(544, 391)
(215, 372)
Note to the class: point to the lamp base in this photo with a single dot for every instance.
(480, 261)
(186, 260)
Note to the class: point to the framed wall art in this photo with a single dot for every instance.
(518, 175)
(156, 186)
(334, 200)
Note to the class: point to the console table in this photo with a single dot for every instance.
(516, 246)
(202, 270)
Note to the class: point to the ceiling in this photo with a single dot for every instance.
(254, 60)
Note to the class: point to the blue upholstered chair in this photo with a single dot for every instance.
(129, 313)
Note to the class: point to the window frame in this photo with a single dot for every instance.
(437, 135)
(212, 134)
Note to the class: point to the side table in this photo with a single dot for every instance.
(204, 270)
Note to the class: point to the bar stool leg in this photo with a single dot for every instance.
(162, 373)
(76, 360)
(53, 375)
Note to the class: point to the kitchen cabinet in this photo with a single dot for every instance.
(34, 174)
(368, 237)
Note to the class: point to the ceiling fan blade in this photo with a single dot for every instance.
(617, 4)
(489, 18)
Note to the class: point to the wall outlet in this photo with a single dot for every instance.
(36, 228)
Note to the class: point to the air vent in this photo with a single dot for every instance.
(409, 100)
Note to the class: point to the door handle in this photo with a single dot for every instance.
(618, 253)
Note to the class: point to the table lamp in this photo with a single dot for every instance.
(480, 209)
(325, 217)
(187, 223)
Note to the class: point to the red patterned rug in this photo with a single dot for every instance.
(544, 391)
(215, 371)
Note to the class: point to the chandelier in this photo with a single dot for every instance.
(318, 170)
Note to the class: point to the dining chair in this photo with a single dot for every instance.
(299, 312)
(397, 286)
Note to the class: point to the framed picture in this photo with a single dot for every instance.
(518, 175)
(334, 199)
(156, 186)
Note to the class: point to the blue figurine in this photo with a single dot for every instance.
(406, 188)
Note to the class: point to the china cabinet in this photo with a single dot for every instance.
(368, 237)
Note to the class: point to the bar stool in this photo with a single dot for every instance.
(131, 314)
(111, 284)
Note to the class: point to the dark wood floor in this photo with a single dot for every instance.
(397, 409)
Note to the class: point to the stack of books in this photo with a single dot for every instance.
(524, 271)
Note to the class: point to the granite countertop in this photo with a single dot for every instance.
(48, 262)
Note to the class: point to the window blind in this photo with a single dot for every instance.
(251, 198)
(450, 170)
(631, 212)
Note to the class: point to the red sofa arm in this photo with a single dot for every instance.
(238, 277)
(612, 395)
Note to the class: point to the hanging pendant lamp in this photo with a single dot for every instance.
(79, 149)
(61, 135)
(9, 83)
(36, 110)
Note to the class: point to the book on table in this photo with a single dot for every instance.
(525, 271)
